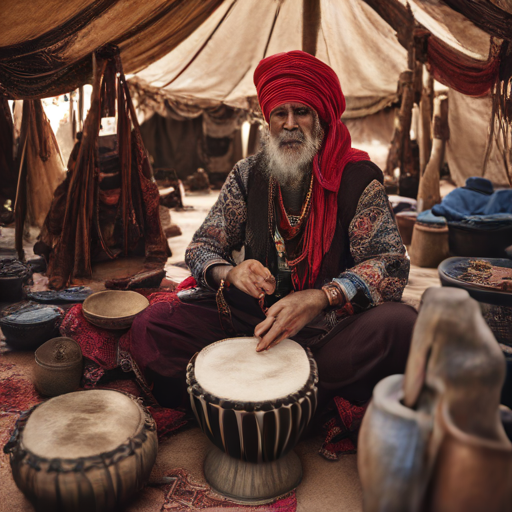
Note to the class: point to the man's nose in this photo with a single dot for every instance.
(291, 122)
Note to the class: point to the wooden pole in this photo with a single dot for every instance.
(311, 17)
(403, 152)
(81, 108)
(400, 145)
(20, 204)
(425, 124)
(429, 193)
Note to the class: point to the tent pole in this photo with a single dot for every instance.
(80, 108)
(20, 204)
(425, 124)
(398, 150)
(311, 16)
(429, 193)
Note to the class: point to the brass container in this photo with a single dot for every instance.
(58, 368)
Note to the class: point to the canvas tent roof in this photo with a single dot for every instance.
(46, 45)
(208, 49)
(218, 60)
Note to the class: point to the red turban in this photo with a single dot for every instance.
(299, 77)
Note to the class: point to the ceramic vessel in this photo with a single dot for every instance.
(392, 446)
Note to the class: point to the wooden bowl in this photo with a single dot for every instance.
(113, 309)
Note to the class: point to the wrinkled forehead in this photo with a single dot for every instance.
(292, 107)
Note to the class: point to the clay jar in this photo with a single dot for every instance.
(392, 445)
(58, 368)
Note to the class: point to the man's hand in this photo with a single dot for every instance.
(288, 316)
(252, 278)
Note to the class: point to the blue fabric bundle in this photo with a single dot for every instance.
(476, 205)
(427, 217)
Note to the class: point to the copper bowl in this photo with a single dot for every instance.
(114, 309)
(58, 368)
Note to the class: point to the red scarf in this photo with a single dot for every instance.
(301, 78)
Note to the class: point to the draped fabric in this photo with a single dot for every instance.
(49, 53)
(485, 15)
(73, 223)
(299, 77)
(460, 72)
(45, 169)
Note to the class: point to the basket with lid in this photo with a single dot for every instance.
(58, 368)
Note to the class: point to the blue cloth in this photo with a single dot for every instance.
(472, 207)
(496, 221)
(499, 202)
(427, 217)
(460, 203)
(480, 185)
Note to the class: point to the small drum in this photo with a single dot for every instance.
(253, 406)
(86, 451)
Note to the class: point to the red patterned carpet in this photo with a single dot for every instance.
(183, 494)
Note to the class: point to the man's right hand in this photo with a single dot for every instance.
(252, 278)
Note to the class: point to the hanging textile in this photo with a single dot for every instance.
(460, 72)
(87, 218)
(485, 15)
(50, 54)
(45, 169)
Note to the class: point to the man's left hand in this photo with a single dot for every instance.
(288, 316)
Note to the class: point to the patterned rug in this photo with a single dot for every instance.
(184, 495)
(17, 394)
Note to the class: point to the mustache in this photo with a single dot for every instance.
(294, 136)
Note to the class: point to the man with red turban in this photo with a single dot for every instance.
(300, 244)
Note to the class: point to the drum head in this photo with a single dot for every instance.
(232, 369)
(81, 424)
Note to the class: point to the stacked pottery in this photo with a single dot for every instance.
(440, 435)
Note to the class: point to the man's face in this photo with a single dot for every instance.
(295, 136)
(291, 124)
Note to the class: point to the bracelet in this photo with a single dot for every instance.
(335, 294)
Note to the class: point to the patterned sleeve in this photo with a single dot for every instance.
(223, 230)
(381, 266)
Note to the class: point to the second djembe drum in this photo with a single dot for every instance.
(87, 451)
(253, 406)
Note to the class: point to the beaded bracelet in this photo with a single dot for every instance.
(335, 294)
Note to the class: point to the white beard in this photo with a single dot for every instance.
(291, 167)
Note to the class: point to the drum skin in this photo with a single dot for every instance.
(90, 484)
(254, 431)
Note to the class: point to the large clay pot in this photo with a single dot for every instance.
(472, 473)
(392, 445)
(455, 372)
(439, 445)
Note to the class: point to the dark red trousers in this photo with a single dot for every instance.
(352, 357)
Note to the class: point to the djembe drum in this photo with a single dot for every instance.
(253, 407)
(87, 451)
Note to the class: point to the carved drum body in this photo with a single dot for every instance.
(87, 451)
(253, 407)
